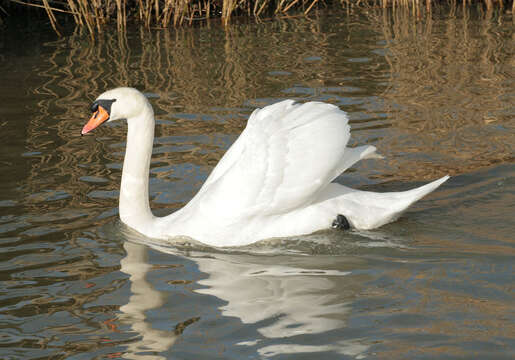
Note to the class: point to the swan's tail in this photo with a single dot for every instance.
(368, 210)
(418, 193)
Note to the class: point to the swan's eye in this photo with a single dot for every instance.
(94, 107)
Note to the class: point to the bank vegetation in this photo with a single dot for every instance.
(94, 15)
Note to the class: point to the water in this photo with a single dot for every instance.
(434, 96)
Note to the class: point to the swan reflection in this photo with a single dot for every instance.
(300, 301)
(144, 297)
(298, 298)
(280, 301)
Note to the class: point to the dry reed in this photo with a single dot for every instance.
(94, 14)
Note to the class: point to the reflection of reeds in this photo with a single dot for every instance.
(95, 14)
(447, 85)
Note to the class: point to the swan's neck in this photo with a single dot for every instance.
(134, 203)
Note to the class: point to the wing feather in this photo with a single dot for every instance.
(285, 155)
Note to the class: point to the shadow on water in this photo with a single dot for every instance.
(433, 95)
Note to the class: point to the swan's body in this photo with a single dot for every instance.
(274, 181)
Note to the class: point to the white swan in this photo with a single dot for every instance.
(274, 181)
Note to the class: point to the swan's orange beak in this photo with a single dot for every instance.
(98, 117)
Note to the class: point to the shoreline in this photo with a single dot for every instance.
(167, 14)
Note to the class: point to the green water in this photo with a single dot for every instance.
(434, 95)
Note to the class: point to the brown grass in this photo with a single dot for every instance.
(95, 14)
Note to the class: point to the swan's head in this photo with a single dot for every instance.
(116, 104)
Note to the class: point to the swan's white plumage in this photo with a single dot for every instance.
(277, 164)
(274, 181)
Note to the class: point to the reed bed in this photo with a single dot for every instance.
(93, 15)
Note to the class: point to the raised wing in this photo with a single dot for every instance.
(285, 155)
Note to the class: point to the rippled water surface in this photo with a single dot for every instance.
(435, 95)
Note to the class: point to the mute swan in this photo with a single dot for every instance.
(274, 181)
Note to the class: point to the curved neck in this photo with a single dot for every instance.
(134, 203)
